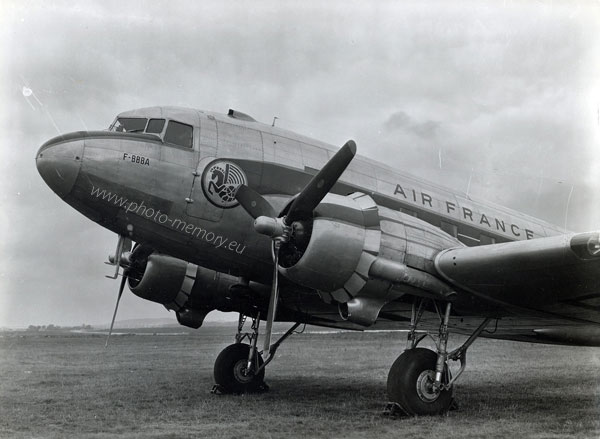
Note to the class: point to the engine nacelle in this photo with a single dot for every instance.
(346, 235)
(344, 242)
(180, 286)
(159, 279)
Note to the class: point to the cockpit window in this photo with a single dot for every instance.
(179, 134)
(155, 126)
(129, 125)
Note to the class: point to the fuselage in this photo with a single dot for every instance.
(152, 190)
(166, 177)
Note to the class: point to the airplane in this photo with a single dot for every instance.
(231, 214)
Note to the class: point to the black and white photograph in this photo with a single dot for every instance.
(299, 219)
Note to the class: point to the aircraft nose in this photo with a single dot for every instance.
(58, 161)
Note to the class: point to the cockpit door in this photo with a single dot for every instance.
(198, 205)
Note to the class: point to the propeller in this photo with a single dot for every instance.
(280, 229)
(112, 323)
(253, 202)
(321, 184)
(122, 257)
(123, 245)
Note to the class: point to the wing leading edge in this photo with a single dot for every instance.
(556, 275)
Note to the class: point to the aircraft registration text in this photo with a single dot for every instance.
(133, 158)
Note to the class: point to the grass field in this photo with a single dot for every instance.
(322, 385)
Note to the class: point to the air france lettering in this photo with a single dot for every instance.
(464, 213)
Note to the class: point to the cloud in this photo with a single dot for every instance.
(402, 121)
(505, 97)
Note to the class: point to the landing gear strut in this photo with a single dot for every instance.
(240, 367)
(419, 381)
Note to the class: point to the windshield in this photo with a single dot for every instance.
(129, 124)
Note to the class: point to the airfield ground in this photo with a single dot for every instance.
(322, 385)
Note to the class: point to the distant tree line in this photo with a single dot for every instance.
(52, 327)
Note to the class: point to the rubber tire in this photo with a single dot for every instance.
(402, 383)
(224, 370)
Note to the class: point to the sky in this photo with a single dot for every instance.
(498, 99)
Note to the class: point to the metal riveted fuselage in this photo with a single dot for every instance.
(178, 198)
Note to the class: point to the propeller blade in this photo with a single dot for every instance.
(272, 302)
(112, 323)
(321, 184)
(254, 203)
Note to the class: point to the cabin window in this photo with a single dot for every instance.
(129, 125)
(179, 134)
(155, 126)
(485, 240)
(450, 229)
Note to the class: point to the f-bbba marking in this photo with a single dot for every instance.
(464, 213)
(137, 159)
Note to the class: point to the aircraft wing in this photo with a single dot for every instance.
(557, 275)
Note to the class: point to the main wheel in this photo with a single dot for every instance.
(230, 370)
(410, 383)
